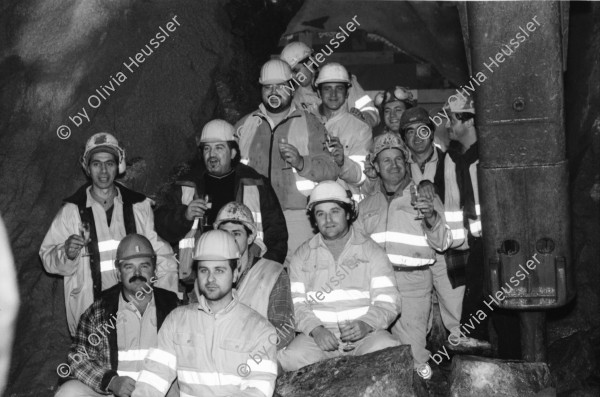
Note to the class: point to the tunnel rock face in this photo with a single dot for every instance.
(64, 62)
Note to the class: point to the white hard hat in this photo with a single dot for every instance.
(333, 73)
(237, 212)
(275, 71)
(134, 246)
(103, 142)
(216, 131)
(216, 245)
(295, 52)
(459, 105)
(328, 191)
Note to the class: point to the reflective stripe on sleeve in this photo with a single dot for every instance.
(409, 260)
(155, 381)
(362, 102)
(384, 298)
(186, 243)
(298, 288)
(381, 282)
(132, 374)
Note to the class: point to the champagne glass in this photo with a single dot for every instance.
(344, 323)
(84, 232)
(207, 198)
(414, 197)
(284, 141)
(328, 142)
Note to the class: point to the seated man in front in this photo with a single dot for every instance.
(116, 331)
(263, 284)
(218, 346)
(343, 286)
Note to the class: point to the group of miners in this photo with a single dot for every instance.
(299, 236)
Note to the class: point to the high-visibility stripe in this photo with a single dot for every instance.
(333, 317)
(357, 197)
(384, 298)
(155, 381)
(338, 295)
(244, 161)
(299, 300)
(132, 374)
(208, 378)
(358, 159)
(257, 217)
(107, 266)
(381, 282)
(475, 227)
(186, 243)
(108, 245)
(362, 101)
(305, 184)
(368, 109)
(182, 394)
(458, 234)
(409, 260)
(260, 235)
(453, 216)
(264, 366)
(132, 355)
(402, 238)
(297, 287)
(478, 209)
(264, 386)
(163, 357)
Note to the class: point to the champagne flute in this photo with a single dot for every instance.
(414, 197)
(343, 323)
(207, 198)
(288, 165)
(328, 142)
(84, 232)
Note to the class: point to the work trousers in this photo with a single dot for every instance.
(304, 351)
(75, 388)
(415, 288)
(450, 299)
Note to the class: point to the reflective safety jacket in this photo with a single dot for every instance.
(454, 211)
(359, 286)
(308, 100)
(356, 137)
(259, 141)
(85, 277)
(229, 353)
(391, 223)
(251, 188)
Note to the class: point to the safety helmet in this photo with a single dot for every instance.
(461, 104)
(103, 142)
(216, 245)
(216, 131)
(397, 93)
(275, 71)
(236, 212)
(333, 73)
(328, 191)
(388, 140)
(295, 52)
(134, 246)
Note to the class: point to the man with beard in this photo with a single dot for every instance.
(389, 216)
(286, 144)
(218, 346)
(116, 331)
(349, 137)
(305, 69)
(83, 238)
(224, 179)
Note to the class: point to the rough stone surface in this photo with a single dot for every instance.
(478, 377)
(386, 373)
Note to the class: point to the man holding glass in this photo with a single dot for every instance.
(411, 228)
(343, 286)
(82, 241)
(222, 179)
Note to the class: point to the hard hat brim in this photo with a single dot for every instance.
(212, 258)
(140, 255)
(103, 149)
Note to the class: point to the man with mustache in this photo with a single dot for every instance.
(116, 331)
(110, 211)
(224, 178)
(286, 144)
(217, 346)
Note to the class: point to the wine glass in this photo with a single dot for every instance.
(207, 198)
(414, 197)
(343, 323)
(84, 232)
(284, 141)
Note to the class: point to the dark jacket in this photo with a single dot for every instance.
(171, 224)
(94, 355)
